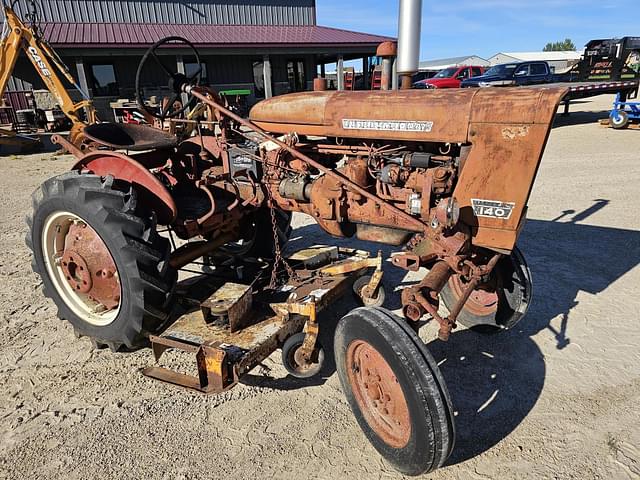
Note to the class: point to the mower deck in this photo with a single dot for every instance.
(235, 326)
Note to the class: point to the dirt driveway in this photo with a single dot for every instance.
(559, 397)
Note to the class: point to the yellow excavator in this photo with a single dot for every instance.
(16, 36)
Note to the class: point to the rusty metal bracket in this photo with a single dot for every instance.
(449, 323)
(358, 262)
(423, 298)
(311, 328)
(215, 372)
(370, 289)
(406, 261)
(232, 302)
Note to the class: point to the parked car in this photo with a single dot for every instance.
(421, 76)
(450, 77)
(510, 74)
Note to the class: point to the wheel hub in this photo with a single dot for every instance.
(76, 271)
(89, 267)
(303, 364)
(81, 268)
(482, 301)
(378, 393)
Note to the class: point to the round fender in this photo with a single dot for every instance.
(151, 191)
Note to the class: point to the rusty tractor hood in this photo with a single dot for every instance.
(410, 115)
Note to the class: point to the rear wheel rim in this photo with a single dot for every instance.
(90, 286)
(482, 302)
(378, 393)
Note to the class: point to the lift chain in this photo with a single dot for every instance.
(279, 259)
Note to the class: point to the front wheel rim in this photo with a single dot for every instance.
(481, 302)
(81, 268)
(378, 393)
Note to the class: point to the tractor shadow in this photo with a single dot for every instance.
(495, 380)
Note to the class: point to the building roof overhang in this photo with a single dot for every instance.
(138, 35)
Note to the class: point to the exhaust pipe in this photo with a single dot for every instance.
(409, 25)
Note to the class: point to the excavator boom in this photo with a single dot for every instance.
(48, 65)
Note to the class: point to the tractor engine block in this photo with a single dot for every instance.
(416, 182)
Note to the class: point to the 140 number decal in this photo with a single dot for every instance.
(492, 208)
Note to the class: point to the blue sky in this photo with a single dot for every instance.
(484, 27)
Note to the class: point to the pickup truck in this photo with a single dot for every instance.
(508, 74)
(539, 73)
(450, 77)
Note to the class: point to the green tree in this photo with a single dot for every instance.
(562, 46)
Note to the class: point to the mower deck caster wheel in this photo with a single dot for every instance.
(293, 361)
(358, 289)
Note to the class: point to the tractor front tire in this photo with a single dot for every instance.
(395, 390)
(101, 260)
(501, 304)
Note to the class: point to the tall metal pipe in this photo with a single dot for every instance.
(409, 25)
(387, 72)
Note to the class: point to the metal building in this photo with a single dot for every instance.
(187, 12)
(442, 63)
(268, 47)
(559, 61)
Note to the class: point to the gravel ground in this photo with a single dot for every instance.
(558, 397)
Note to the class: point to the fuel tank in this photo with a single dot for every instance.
(405, 115)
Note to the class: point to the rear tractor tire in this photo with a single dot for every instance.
(101, 262)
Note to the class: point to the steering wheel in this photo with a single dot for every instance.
(176, 80)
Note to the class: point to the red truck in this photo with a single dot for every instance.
(450, 77)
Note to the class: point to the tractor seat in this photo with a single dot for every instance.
(128, 136)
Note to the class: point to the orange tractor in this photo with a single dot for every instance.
(443, 175)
